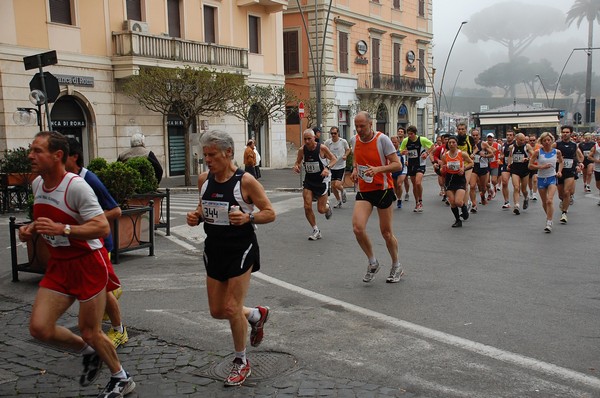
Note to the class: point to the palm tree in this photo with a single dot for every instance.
(590, 10)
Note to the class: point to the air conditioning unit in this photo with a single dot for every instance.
(135, 26)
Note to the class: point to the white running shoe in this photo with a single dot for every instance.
(316, 235)
(395, 274)
(372, 269)
(548, 228)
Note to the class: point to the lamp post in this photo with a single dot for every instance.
(587, 50)
(24, 116)
(445, 66)
(435, 103)
(544, 87)
(453, 87)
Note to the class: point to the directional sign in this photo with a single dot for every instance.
(577, 118)
(40, 60)
(301, 109)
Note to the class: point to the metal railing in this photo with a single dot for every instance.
(174, 49)
(381, 81)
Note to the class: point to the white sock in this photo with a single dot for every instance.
(254, 315)
(315, 228)
(118, 328)
(87, 350)
(121, 374)
(372, 260)
(241, 355)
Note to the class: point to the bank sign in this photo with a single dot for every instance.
(83, 81)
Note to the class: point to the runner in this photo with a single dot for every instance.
(315, 180)
(340, 148)
(482, 153)
(399, 176)
(533, 186)
(417, 149)
(465, 144)
(594, 157)
(518, 164)
(545, 159)
(436, 159)
(588, 166)
(453, 169)
(374, 159)
(494, 166)
(504, 171)
(401, 136)
(573, 158)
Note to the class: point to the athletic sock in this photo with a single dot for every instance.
(121, 374)
(455, 212)
(241, 355)
(118, 328)
(87, 350)
(254, 315)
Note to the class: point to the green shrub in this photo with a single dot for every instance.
(149, 183)
(15, 161)
(121, 180)
(97, 164)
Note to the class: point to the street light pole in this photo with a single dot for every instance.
(544, 87)
(453, 87)
(587, 50)
(444, 71)
(435, 103)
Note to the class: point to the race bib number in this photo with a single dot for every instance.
(216, 212)
(476, 158)
(413, 154)
(568, 163)
(57, 240)
(518, 158)
(586, 153)
(483, 162)
(453, 166)
(312, 167)
(361, 174)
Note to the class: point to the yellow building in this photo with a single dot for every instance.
(101, 42)
(376, 56)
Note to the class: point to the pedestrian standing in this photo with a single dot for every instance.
(250, 158)
(67, 215)
(228, 196)
(375, 158)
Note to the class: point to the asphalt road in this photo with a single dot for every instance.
(495, 309)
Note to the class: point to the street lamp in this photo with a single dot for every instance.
(24, 117)
(544, 87)
(445, 66)
(587, 50)
(453, 87)
(435, 103)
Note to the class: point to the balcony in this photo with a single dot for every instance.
(271, 6)
(135, 49)
(391, 84)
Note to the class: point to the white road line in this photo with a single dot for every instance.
(445, 338)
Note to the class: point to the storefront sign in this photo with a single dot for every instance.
(361, 47)
(84, 81)
(68, 123)
(175, 123)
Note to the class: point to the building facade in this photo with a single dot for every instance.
(100, 43)
(370, 55)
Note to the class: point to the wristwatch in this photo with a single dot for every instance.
(251, 218)
(67, 230)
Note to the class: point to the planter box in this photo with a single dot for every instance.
(162, 207)
(37, 252)
(133, 230)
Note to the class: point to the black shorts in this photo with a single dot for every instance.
(586, 161)
(228, 259)
(565, 174)
(318, 190)
(532, 172)
(481, 171)
(596, 175)
(504, 168)
(454, 182)
(413, 170)
(337, 175)
(520, 172)
(382, 199)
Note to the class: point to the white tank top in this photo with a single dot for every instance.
(545, 158)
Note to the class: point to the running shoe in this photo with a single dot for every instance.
(457, 224)
(419, 208)
(239, 373)
(344, 197)
(338, 206)
(516, 210)
(474, 209)
(441, 193)
(117, 388)
(483, 200)
(548, 227)
(534, 196)
(316, 235)
(525, 203)
(506, 205)
(372, 269)
(118, 338)
(399, 204)
(329, 212)
(406, 197)
(256, 329)
(464, 214)
(395, 274)
(587, 188)
(563, 218)
(92, 364)
(444, 198)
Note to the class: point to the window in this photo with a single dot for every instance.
(343, 52)
(173, 18)
(397, 48)
(421, 8)
(254, 33)
(291, 115)
(397, 4)
(421, 64)
(375, 62)
(291, 63)
(60, 11)
(134, 10)
(209, 24)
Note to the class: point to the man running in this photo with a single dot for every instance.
(466, 144)
(401, 136)
(482, 153)
(374, 159)
(573, 158)
(518, 164)
(315, 185)
(504, 171)
(399, 176)
(494, 165)
(340, 148)
(588, 166)
(417, 149)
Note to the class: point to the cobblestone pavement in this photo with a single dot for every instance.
(160, 369)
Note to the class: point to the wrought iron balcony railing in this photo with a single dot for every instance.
(380, 81)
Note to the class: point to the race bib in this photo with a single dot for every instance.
(483, 162)
(57, 240)
(586, 153)
(454, 165)
(361, 174)
(568, 163)
(216, 212)
(312, 167)
(518, 158)
(413, 153)
(476, 158)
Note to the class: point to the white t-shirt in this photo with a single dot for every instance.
(339, 149)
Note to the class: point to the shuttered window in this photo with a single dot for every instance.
(291, 63)
(209, 24)
(343, 52)
(60, 11)
(254, 34)
(421, 8)
(397, 59)
(397, 4)
(421, 65)
(174, 18)
(134, 10)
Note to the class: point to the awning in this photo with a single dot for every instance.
(532, 121)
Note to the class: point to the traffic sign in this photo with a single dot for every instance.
(301, 109)
(52, 86)
(577, 118)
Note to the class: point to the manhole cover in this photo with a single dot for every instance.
(265, 365)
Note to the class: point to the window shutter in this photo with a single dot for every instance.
(397, 71)
(209, 25)
(134, 10)
(291, 63)
(253, 25)
(173, 17)
(343, 53)
(60, 11)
